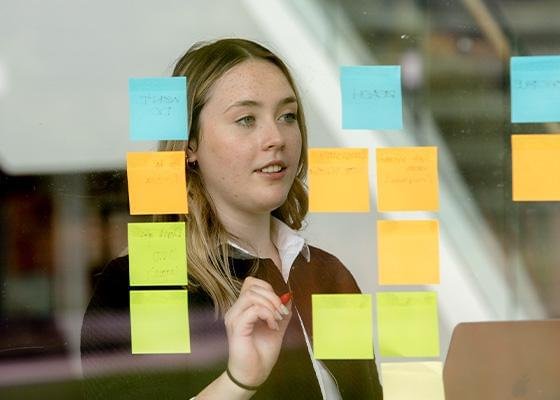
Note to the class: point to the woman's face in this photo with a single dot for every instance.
(250, 143)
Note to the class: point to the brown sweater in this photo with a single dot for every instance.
(112, 372)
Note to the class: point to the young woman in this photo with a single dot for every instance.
(251, 276)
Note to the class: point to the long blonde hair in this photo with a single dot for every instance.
(207, 240)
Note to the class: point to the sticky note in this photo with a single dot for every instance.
(412, 380)
(159, 321)
(371, 97)
(342, 326)
(408, 252)
(535, 167)
(338, 180)
(535, 89)
(158, 108)
(157, 253)
(408, 324)
(156, 182)
(407, 179)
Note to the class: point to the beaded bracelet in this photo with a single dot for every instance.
(241, 385)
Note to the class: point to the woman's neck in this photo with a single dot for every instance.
(253, 233)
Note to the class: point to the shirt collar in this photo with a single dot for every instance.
(288, 242)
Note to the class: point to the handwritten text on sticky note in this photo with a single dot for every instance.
(157, 182)
(407, 179)
(535, 89)
(371, 97)
(157, 253)
(408, 252)
(536, 167)
(159, 321)
(158, 108)
(408, 324)
(338, 180)
(342, 326)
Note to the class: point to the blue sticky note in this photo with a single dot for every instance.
(371, 97)
(535, 89)
(158, 108)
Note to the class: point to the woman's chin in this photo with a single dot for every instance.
(269, 205)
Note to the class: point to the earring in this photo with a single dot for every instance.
(192, 164)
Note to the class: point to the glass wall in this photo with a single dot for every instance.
(64, 69)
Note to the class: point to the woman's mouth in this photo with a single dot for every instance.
(272, 169)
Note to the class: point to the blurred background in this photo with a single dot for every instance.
(64, 69)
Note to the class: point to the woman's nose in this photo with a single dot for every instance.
(272, 136)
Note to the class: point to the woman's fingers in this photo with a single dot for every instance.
(255, 297)
(262, 293)
(257, 300)
(243, 322)
(258, 312)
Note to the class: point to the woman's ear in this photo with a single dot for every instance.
(191, 153)
(192, 159)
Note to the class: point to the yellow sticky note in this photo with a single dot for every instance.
(412, 380)
(157, 182)
(408, 252)
(407, 179)
(159, 321)
(407, 324)
(342, 326)
(157, 253)
(536, 167)
(338, 180)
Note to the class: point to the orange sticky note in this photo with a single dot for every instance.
(157, 182)
(536, 167)
(407, 179)
(408, 252)
(338, 180)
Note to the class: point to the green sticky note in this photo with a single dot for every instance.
(159, 322)
(157, 253)
(408, 324)
(342, 326)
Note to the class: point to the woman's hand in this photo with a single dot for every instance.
(255, 326)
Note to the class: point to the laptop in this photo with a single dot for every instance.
(502, 360)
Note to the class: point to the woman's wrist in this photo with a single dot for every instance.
(224, 388)
(250, 388)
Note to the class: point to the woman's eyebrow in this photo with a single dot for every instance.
(253, 103)
(287, 100)
(244, 103)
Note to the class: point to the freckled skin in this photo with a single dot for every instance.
(230, 149)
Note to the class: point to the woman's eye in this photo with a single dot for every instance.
(289, 117)
(247, 120)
